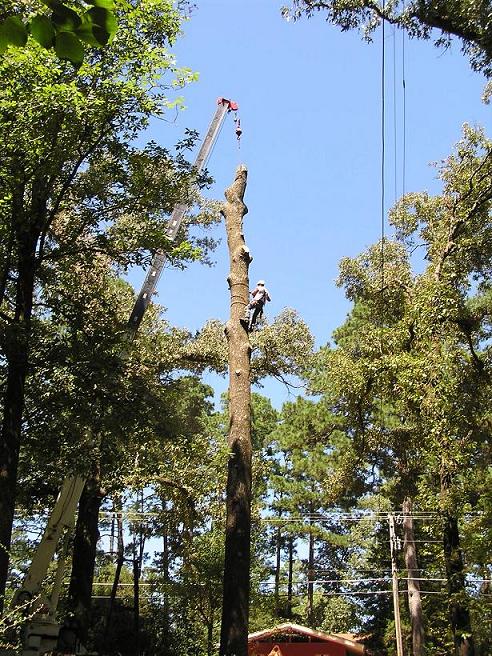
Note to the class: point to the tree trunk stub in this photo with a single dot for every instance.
(235, 609)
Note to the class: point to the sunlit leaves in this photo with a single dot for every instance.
(67, 46)
(468, 20)
(411, 364)
(94, 26)
(103, 24)
(105, 4)
(66, 141)
(12, 33)
(42, 31)
(281, 349)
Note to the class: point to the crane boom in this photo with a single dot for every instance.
(41, 633)
(154, 273)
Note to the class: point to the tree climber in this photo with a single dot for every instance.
(255, 308)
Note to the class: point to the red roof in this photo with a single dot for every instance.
(350, 645)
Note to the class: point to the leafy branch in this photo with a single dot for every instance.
(66, 30)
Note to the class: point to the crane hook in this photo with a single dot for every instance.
(237, 123)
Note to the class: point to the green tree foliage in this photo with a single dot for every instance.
(410, 369)
(306, 448)
(182, 615)
(280, 349)
(468, 20)
(73, 188)
(67, 28)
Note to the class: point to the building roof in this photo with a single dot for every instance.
(349, 643)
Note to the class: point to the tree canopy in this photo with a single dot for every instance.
(468, 20)
(392, 427)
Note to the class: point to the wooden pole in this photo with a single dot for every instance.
(235, 607)
(394, 578)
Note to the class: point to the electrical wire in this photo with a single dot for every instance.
(404, 103)
(383, 188)
(395, 122)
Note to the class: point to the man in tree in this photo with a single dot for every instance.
(255, 308)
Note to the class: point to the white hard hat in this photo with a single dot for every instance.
(260, 282)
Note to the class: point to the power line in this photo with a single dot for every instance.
(357, 516)
(404, 93)
(400, 578)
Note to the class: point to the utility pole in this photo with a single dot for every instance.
(394, 579)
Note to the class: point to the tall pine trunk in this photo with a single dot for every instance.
(136, 600)
(311, 571)
(290, 577)
(235, 608)
(165, 576)
(413, 585)
(278, 562)
(84, 556)
(453, 558)
(120, 561)
(458, 609)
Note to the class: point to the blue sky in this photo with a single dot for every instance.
(310, 108)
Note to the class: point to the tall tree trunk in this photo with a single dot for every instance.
(311, 571)
(459, 612)
(165, 576)
(290, 577)
(483, 598)
(136, 599)
(138, 554)
(17, 338)
(453, 558)
(210, 637)
(165, 557)
(84, 556)
(235, 608)
(413, 585)
(120, 561)
(278, 554)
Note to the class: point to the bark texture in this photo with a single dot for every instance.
(413, 585)
(29, 220)
(458, 609)
(16, 348)
(84, 557)
(278, 563)
(235, 608)
(455, 571)
(120, 561)
(310, 609)
(290, 579)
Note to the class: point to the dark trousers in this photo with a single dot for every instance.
(255, 312)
